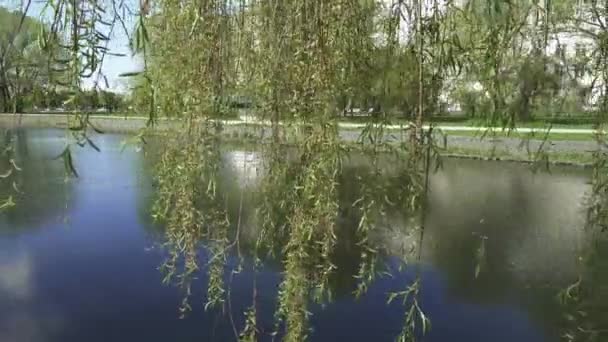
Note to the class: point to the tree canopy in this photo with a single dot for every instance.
(30, 77)
(23, 65)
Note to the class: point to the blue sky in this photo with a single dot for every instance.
(113, 66)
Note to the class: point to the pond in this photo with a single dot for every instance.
(79, 258)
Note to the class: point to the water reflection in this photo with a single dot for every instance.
(518, 213)
(246, 165)
(96, 279)
(39, 187)
(15, 278)
(21, 319)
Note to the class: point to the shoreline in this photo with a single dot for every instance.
(560, 152)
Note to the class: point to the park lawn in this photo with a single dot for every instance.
(464, 122)
(482, 134)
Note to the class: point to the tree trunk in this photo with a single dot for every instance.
(5, 98)
(18, 104)
(524, 113)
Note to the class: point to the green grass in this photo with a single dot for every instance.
(463, 121)
(515, 135)
(530, 124)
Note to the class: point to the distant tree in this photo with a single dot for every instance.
(23, 63)
(111, 101)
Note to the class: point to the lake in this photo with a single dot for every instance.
(79, 258)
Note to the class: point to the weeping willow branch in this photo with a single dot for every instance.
(303, 63)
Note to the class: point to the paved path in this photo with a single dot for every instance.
(449, 128)
(519, 130)
(343, 125)
(478, 128)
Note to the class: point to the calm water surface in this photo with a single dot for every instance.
(79, 259)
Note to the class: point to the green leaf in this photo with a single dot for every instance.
(8, 203)
(425, 322)
(7, 173)
(14, 164)
(79, 127)
(116, 54)
(144, 31)
(68, 163)
(97, 130)
(92, 144)
(70, 100)
(392, 297)
(102, 36)
(130, 74)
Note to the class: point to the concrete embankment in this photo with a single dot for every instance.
(575, 151)
(116, 124)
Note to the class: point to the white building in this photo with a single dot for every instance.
(569, 45)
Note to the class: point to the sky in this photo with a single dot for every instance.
(119, 43)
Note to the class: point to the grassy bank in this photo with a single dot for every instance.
(566, 121)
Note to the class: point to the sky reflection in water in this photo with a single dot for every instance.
(78, 260)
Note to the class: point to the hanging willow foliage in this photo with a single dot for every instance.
(303, 61)
(298, 59)
(585, 300)
(10, 173)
